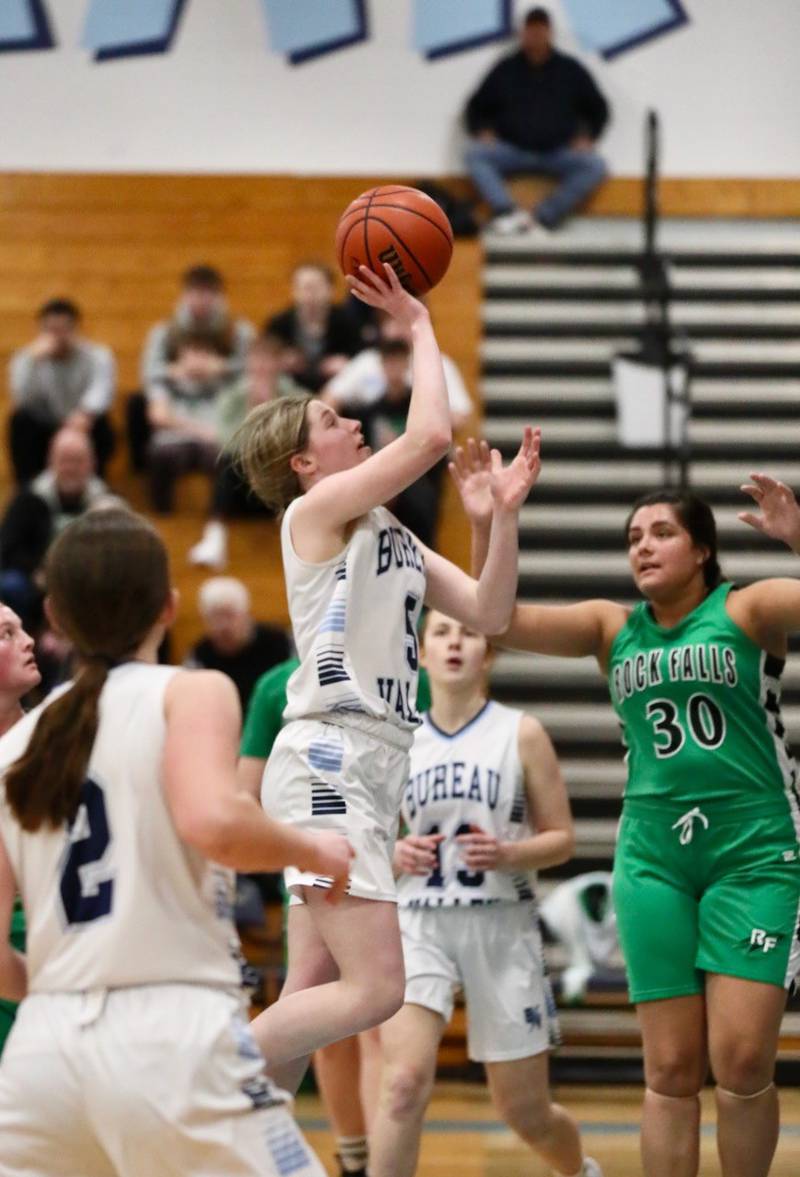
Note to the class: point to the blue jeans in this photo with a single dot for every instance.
(580, 172)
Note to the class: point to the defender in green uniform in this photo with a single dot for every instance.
(707, 870)
(19, 674)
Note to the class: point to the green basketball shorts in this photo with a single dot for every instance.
(710, 888)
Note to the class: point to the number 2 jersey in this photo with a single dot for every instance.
(699, 705)
(118, 899)
(354, 619)
(473, 777)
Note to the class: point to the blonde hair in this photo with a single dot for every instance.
(264, 443)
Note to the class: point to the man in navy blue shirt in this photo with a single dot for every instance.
(537, 111)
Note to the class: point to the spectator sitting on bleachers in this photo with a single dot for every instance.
(59, 379)
(202, 310)
(537, 111)
(362, 382)
(417, 507)
(320, 334)
(234, 642)
(264, 379)
(37, 513)
(182, 411)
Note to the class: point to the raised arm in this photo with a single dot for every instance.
(211, 811)
(581, 630)
(13, 973)
(770, 609)
(335, 500)
(486, 603)
(548, 805)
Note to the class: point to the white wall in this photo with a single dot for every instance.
(727, 86)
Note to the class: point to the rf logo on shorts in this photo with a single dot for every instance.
(762, 940)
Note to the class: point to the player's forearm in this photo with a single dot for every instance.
(480, 534)
(550, 848)
(497, 584)
(241, 836)
(13, 974)
(429, 411)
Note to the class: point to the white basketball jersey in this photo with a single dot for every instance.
(473, 777)
(118, 899)
(355, 623)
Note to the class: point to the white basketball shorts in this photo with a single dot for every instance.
(347, 777)
(493, 953)
(157, 1079)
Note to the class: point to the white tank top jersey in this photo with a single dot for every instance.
(118, 899)
(473, 777)
(354, 619)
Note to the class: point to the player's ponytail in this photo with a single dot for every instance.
(264, 444)
(107, 583)
(695, 515)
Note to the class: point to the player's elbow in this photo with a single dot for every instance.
(211, 832)
(564, 848)
(436, 443)
(494, 621)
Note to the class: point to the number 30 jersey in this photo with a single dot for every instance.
(354, 619)
(473, 777)
(118, 899)
(699, 705)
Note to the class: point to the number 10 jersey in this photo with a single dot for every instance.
(472, 777)
(699, 705)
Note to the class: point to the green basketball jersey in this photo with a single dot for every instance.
(699, 705)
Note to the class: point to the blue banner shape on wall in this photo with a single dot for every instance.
(24, 25)
(442, 28)
(131, 28)
(611, 27)
(303, 29)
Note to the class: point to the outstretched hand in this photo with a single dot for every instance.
(511, 484)
(471, 471)
(778, 513)
(384, 292)
(483, 481)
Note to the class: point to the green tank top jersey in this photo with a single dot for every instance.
(699, 705)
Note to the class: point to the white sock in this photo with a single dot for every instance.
(352, 1152)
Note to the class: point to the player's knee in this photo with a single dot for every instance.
(406, 1089)
(678, 1074)
(385, 998)
(741, 1067)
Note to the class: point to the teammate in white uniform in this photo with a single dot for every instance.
(120, 823)
(356, 580)
(485, 806)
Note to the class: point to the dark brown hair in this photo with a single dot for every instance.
(107, 582)
(696, 517)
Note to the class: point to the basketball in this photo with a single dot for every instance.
(401, 226)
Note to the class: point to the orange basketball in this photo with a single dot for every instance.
(401, 226)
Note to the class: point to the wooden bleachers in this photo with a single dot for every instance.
(117, 244)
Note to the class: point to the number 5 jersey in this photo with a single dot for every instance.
(355, 623)
(117, 899)
(699, 705)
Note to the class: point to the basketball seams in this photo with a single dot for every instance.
(378, 213)
(412, 212)
(393, 232)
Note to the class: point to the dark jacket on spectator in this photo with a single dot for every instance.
(539, 108)
(341, 337)
(268, 646)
